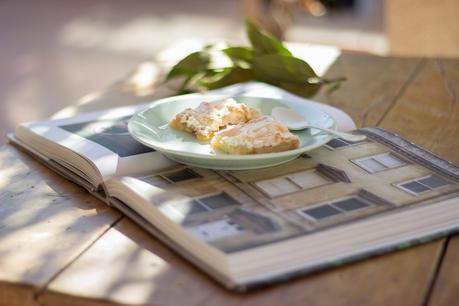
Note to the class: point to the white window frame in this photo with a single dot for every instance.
(342, 211)
(287, 177)
(215, 194)
(146, 179)
(208, 209)
(357, 161)
(399, 185)
(164, 177)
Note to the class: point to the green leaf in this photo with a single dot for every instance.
(192, 82)
(227, 77)
(275, 68)
(239, 53)
(304, 90)
(192, 64)
(268, 61)
(264, 43)
(240, 56)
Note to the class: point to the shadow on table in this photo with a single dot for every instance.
(44, 219)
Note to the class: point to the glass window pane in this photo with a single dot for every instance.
(321, 212)
(218, 201)
(336, 143)
(372, 165)
(415, 187)
(181, 175)
(433, 182)
(277, 187)
(189, 207)
(308, 179)
(389, 160)
(351, 204)
(155, 180)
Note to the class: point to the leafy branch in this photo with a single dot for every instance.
(266, 60)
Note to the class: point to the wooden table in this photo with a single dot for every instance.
(60, 246)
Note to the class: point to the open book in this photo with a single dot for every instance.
(340, 203)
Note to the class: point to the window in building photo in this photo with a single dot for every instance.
(155, 180)
(171, 177)
(337, 143)
(380, 162)
(181, 209)
(180, 175)
(333, 208)
(218, 201)
(423, 184)
(292, 182)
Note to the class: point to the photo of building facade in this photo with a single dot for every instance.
(336, 184)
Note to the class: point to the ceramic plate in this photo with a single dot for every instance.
(151, 128)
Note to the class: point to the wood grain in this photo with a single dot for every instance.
(16, 294)
(446, 289)
(373, 84)
(427, 112)
(422, 27)
(45, 223)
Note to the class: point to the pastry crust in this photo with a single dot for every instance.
(260, 135)
(210, 117)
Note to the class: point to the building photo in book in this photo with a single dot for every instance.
(216, 211)
(344, 181)
(112, 134)
(337, 184)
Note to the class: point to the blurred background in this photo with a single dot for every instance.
(53, 52)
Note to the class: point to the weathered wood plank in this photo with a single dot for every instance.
(422, 28)
(139, 86)
(16, 294)
(446, 289)
(137, 269)
(45, 223)
(427, 112)
(373, 84)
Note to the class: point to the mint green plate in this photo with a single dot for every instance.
(151, 128)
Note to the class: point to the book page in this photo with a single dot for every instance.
(338, 184)
(103, 139)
